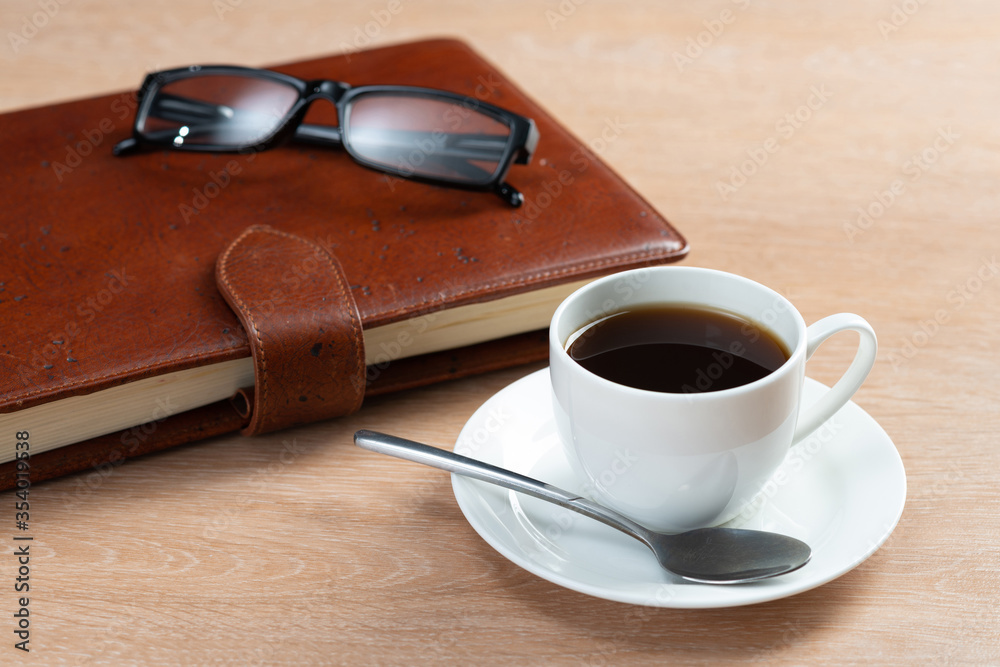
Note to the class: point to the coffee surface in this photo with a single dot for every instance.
(678, 349)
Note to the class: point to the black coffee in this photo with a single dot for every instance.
(678, 349)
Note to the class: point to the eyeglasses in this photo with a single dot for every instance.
(418, 133)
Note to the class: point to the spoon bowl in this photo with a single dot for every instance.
(705, 555)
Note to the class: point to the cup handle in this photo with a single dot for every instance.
(813, 416)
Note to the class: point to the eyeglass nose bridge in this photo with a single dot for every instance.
(321, 135)
(325, 89)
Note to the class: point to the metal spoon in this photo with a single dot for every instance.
(705, 555)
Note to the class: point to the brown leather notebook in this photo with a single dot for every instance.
(167, 297)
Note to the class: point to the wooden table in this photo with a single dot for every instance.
(846, 154)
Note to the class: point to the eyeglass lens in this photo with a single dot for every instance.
(221, 110)
(426, 136)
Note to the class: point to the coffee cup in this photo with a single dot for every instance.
(698, 450)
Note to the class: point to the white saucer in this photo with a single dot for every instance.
(842, 491)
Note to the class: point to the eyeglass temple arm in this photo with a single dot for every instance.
(530, 143)
(319, 135)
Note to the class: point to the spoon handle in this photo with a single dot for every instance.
(485, 472)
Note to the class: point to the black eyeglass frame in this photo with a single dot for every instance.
(519, 148)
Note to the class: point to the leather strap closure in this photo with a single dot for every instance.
(303, 325)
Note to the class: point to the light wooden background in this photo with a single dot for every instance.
(222, 553)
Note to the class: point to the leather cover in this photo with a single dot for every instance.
(108, 265)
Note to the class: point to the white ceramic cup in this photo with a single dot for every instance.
(677, 461)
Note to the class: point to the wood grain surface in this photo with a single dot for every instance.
(846, 154)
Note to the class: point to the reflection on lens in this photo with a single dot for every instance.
(420, 135)
(225, 110)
